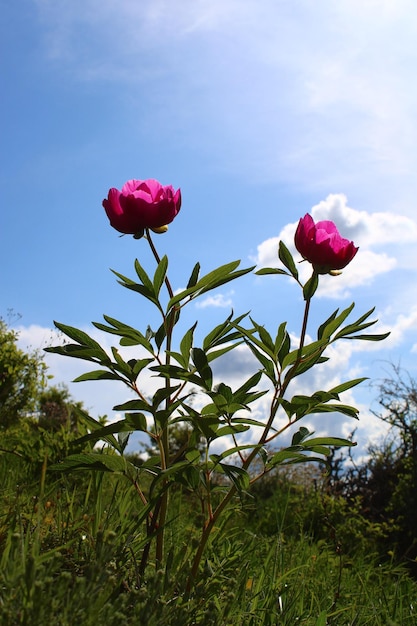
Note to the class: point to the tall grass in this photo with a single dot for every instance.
(71, 548)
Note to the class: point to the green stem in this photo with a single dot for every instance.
(290, 374)
(162, 505)
(158, 260)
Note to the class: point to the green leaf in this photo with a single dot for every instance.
(212, 280)
(300, 435)
(217, 458)
(147, 292)
(137, 365)
(93, 425)
(232, 429)
(80, 337)
(310, 353)
(162, 394)
(182, 295)
(337, 442)
(88, 348)
(121, 364)
(287, 259)
(218, 274)
(186, 345)
(225, 392)
(251, 339)
(345, 409)
(225, 279)
(284, 348)
(347, 385)
(129, 336)
(325, 324)
(98, 375)
(263, 453)
(266, 340)
(225, 332)
(322, 619)
(285, 455)
(249, 421)
(334, 322)
(207, 425)
(121, 327)
(203, 368)
(238, 476)
(357, 326)
(290, 456)
(81, 352)
(174, 471)
(240, 393)
(265, 361)
(218, 332)
(143, 276)
(380, 337)
(160, 335)
(93, 460)
(135, 421)
(310, 287)
(193, 455)
(160, 274)
(133, 405)
(179, 373)
(280, 337)
(271, 270)
(308, 363)
(215, 354)
(135, 341)
(194, 276)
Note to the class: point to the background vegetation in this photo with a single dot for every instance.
(314, 546)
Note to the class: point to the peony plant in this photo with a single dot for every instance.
(223, 414)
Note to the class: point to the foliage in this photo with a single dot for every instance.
(22, 378)
(69, 553)
(383, 489)
(299, 505)
(56, 408)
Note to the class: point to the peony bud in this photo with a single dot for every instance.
(322, 245)
(142, 204)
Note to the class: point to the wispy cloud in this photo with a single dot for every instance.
(321, 95)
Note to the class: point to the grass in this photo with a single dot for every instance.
(70, 550)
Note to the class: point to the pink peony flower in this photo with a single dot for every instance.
(322, 245)
(142, 204)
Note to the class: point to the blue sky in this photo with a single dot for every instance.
(261, 111)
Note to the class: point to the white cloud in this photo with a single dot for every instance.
(399, 327)
(218, 300)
